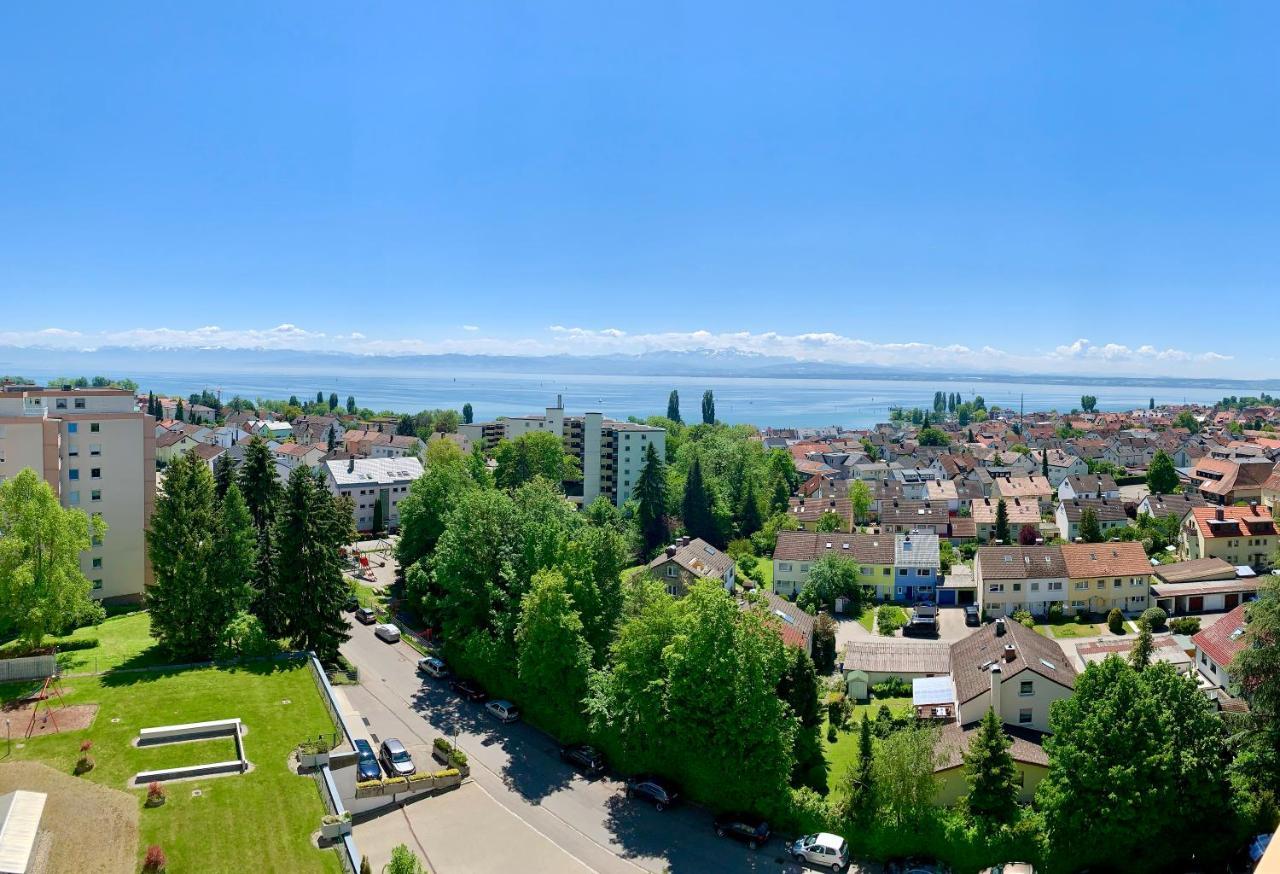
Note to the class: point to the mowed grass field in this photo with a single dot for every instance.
(259, 821)
(844, 752)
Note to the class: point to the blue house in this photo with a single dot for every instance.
(916, 566)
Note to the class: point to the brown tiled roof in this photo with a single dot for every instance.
(972, 657)
(894, 656)
(811, 509)
(812, 545)
(208, 451)
(1173, 505)
(1224, 638)
(1021, 562)
(171, 438)
(953, 742)
(1123, 559)
(698, 557)
(796, 625)
(1106, 509)
(1236, 521)
(1092, 483)
(964, 526)
(1020, 512)
(1195, 571)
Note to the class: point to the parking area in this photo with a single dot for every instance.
(951, 625)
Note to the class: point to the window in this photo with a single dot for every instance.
(97, 562)
(95, 449)
(60, 404)
(1024, 716)
(94, 427)
(73, 450)
(1027, 687)
(1035, 587)
(73, 498)
(673, 590)
(995, 587)
(901, 590)
(79, 403)
(97, 584)
(1116, 584)
(96, 540)
(95, 473)
(884, 572)
(902, 572)
(922, 572)
(72, 427)
(1084, 584)
(671, 570)
(1056, 586)
(95, 495)
(1017, 587)
(73, 473)
(784, 566)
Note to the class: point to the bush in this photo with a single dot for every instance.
(1055, 613)
(245, 637)
(1155, 617)
(894, 687)
(1185, 625)
(890, 618)
(315, 747)
(449, 751)
(155, 794)
(446, 772)
(1115, 621)
(154, 862)
(837, 709)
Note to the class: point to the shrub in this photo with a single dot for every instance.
(449, 751)
(1055, 613)
(1115, 621)
(245, 637)
(315, 747)
(1155, 617)
(890, 618)
(1185, 625)
(837, 709)
(894, 687)
(446, 772)
(154, 862)
(155, 794)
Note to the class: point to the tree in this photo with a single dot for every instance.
(1028, 534)
(1088, 403)
(1143, 647)
(312, 526)
(696, 507)
(799, 689)
(1001, 532)
(422, 511)
(377, 518)
(468, 415)
(178, 414)
(929, 436)
(1187, 420)
(554, 657)
(262, 493)
(829, 520)
(902, 770)
(403, 861)
(708, 408)
(351, 405)
(1151, 405)
(673, 406)
(294, 402)
(860, 783)
(1115, 621)
(824, 644)
(651, 495)
(750, 519)
(1044, 463)
(860, 498)
(42, 587)
(993, 779)
(1162, 477)
(1090, 529)
(333, 401)
(538, 453)
(831, 577)
(224, 474)
(320, 399)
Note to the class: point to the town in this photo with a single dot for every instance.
(969, 638)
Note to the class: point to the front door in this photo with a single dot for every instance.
(908, 593)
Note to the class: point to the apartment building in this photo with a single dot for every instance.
(1012, 578)
(1240, 535)
(98, 452)
(611, 453)
(1107, 576)
(371, 481)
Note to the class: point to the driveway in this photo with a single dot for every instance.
(521, 802)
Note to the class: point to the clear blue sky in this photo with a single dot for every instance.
(1018, 175)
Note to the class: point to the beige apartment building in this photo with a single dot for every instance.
(611, 453)
(98, 452)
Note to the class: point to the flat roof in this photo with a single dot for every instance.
(932, 690)
(1209, 587)
(20, 813)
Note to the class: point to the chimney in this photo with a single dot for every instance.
(671, 550)
(1217, 513)
(1000, 629)
(997, 677)
(1010, 652)
(351, 463)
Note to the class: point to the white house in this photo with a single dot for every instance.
(372, 481)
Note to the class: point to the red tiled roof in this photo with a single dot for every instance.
(1259, 521)
(1123, 559)
(1224, 638)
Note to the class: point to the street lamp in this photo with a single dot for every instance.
(7, 738)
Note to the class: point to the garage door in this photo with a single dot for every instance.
(1230, 602)
(946, 598)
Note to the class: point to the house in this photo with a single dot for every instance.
(1130, 452)
(1027, 489)
(795, 625)
(1018, 512)
(1201, 585)
(209, 453)
(1217, 646)
(688, 560)
(317, 429)
(1160, 506)
(371, 482)
(1107, 576)
(796, 551)
(226, 435)
(1239, 535)
(291, 455)
(1012, 578)
(1226, 481)
(1089, 485)
(1062, 464)
(171, 444)
(271, 430)
(807, 513)
(916, 566)
(1108, 511)
(903, 517)
(1270, 492)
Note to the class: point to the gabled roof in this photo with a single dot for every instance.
(1172, 505)
(1224, 638)
(796, 625)
(1235, 522)
(1092, 483)
(1123, 559)
(972, 658)
(697, 557)
(1027, 745)
(1021, 562)
(812, 545)
(896, 656)
(1105, 509)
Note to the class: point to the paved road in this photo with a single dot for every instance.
(518, 768)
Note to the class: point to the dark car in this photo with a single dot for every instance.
(351, 604)
(366, 616)
(367, 765)
(468, 690)
(655, 790)
(972, 616)
(584, 758)
(924, 621)
(396, 759)
(751, 830)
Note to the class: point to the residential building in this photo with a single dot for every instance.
(807, 512)
(1224, 481)
(1013, 578)
(170, 444)
(688, 560)
(1239, 535)
(291, 455)
(904, 517)
(1061, 464)
(1107, 576)
(796, 551)
(370, 481)
(1109, 513)
(1159, 506)
(795, 626)
(1089, 485)
(1019, 513)
(1217, 646)
(916, 567)
(97, 451)
(1270, 492)
(1027, 489)
(272, 430)
(611, 453)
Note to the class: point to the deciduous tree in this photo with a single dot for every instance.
(1090, 529)
(1162, 477)
(554, 656)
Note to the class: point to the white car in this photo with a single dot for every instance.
(824, 849)
(387, 632)
(433, 666)
(503, 711)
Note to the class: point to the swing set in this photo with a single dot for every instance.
(51, 689)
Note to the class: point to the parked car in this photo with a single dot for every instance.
(972, 616)
(751, 830)
(1011, 868)
(388, 632)
(351, 604)
(395, 758)
(915, 865)
(584, 758)
(468, 690)
(366, 616)
(654, 790)
(924, 621)
(433, 666)
(824, 849)
(503, 711)
(367, 765)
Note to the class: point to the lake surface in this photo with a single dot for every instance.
(758, 401)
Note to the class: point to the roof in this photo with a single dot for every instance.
(896, 656)
(1021, 562)
(972, 658)
(172, 438)
(1236, 521)
(1123, 559)
(1220, 476)
(1195, 570)
(697, 557)
(1027, 745)
(1020, 512)
(20, 813)
(811, 509)
(916, 550)
(1022, 486)
(1172, 505)
(373, 471)
(208, 451)
(1215, 587)
(1106, 509)
(812, 545)
(1165, 649)
(932, 690)
(1224, 638)
(1092, 483)
(796, 625)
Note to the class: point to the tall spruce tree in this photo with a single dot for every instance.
(320, 398)
(708, 408)
(673, 406)
(333, 401)
(993, 779)
(262, 494)
(651, 495)
(178, 412)
(312, 525)
(468, 415)
(749, 517)
(1090, 529)
(224, 474)
(1002, 522)
(695, 508)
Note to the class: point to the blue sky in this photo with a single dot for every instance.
(1050, 186)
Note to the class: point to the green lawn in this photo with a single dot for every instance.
(123, 641)
(868, 619)
(1072, 629)
(765, 564)
(844, 752)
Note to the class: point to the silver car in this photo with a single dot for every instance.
(823, 849)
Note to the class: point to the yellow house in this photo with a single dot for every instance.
(1106, 576)
(1029, 760)
(1239, 535)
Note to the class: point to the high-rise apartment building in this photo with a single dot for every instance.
(98, 452)
(611, 453)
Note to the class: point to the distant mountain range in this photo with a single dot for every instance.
(132, 362)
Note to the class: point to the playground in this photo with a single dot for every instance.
(45, 711)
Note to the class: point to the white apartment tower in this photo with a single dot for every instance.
(98, 452)
(611, 452)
